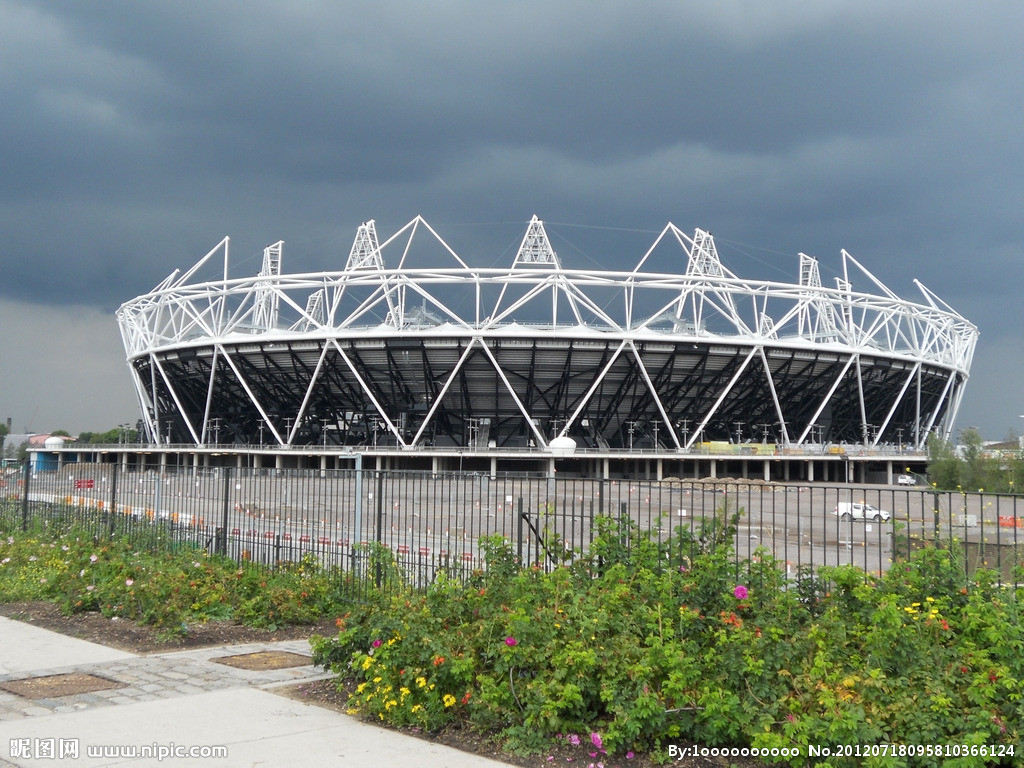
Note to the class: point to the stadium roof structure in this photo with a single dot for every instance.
(395, 352)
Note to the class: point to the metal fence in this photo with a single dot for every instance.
(409, 526)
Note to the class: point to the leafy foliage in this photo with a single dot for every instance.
(151, 585)
(643, 644)
(972, 469)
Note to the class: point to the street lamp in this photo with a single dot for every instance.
(631, 427)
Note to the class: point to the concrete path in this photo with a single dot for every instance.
(184, 708)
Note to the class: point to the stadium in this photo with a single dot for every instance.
(413, 354)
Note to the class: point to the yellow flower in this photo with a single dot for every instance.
(421, 682)
(404, 691)
(367, 663)
(361, 687)
(449, 700)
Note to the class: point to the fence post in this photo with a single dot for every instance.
(113, 498)
(519, 531)
(222, 544)
(357, 534)
(24, 498)
(624, 528)
(380, 527)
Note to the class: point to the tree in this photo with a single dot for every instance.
(975, 472)
(972, 470)
(943, 465)
(111, 436)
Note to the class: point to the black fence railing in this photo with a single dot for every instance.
(376, 526)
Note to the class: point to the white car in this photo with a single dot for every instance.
(906, 480)
(858, 510)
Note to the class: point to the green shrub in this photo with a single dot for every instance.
(644, 644)
(166, 589)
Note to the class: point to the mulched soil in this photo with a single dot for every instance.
(54, 686)
(128, 636)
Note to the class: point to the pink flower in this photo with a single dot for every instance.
(595, 739)
(574, 739)
(740, 593)
(376, 643)
(630, 755)
(510, 641)
(129, 582)
(93, 558)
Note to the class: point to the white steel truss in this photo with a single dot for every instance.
(419, 356)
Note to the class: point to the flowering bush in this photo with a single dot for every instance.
(630, 647)
(169, 590)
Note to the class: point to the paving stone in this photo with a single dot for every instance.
(163, 676)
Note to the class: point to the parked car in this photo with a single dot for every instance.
(858, 510)
(906, 480)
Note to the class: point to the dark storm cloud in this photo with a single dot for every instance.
(136, 135)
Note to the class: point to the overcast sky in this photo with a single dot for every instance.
(135, 135)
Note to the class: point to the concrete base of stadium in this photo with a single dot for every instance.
(825, 464)
(183, 709)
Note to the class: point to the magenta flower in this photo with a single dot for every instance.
(630, 755)
(376, 643)
(740, 593)
(595, 739)
(510, 641)
(574, 739)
